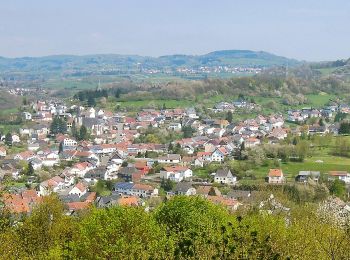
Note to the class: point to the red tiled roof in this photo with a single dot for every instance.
(275, 173)
(128, 201)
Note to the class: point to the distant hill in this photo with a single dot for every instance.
(109, 64)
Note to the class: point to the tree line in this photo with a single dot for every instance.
(180, 228)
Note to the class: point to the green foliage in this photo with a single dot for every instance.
(58, 126)
(344, 128)
(180, 228)
(8, 139)
(337, 188)
(187, 131)
(167, 184)
(83, 133)
(229, 117)
(340, 116)
(119, 233)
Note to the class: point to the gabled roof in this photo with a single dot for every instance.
(338, 173)
(223, 173)
(183, 187)
(275, 173)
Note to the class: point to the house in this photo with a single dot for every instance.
(251, 142)
(26, 116)
(24, 156)
(128, 201)
(304, 176)
(170, 158)
(224, 176)
(52, 185)
(79, 189)
(15, 138)
(135, 189)
(174, 126)
(3, 152)
(69, 143)
(129, 173)
(81, 168)
(93, 175)
(205, 191)
(231, 204)
(199, 162)
(175, 173)
(107, 201)
(21, 203)
(275, 176)
(219, 154)
(340, 175)
(184, 188)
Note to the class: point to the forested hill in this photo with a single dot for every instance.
(113, 63)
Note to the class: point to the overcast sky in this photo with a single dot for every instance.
(304, 29)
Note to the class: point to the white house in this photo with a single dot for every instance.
(69, 143)
(135, 189)
(52, 185)
(340, 175)
(176, 173)
(276, 176)
(27, 116)
(170, 158)
(79, 189)
(224, 176)
(184, 188)
(219, 154)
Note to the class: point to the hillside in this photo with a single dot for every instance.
(113, 64)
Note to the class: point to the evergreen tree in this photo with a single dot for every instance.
(187, 131)
(60, 147)
(229, 117)
(83, 134)
(170, 147)
(8, 139)
(74, 131)
(91, 101)
(117, 93)
(30, 171)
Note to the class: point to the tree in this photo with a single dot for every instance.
(340, 116)
(8, 139)
(124, 164)
(344, 128)
(117, 93)
(123, 228)
(74, 131)
(60, 147)
(170, 147)
(83, 133)
(229, 117)
(337, 188)
(167, 184)
(212, 191)
(320, 122)
(187, 131)
(91, 101)
(58, 126)
(30, 169)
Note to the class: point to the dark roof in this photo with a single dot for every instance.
(223, 173)
(128, 170)
(123, 185)
(183, 187)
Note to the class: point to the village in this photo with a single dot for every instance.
(90, 156)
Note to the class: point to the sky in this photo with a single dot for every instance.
(311, 30)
